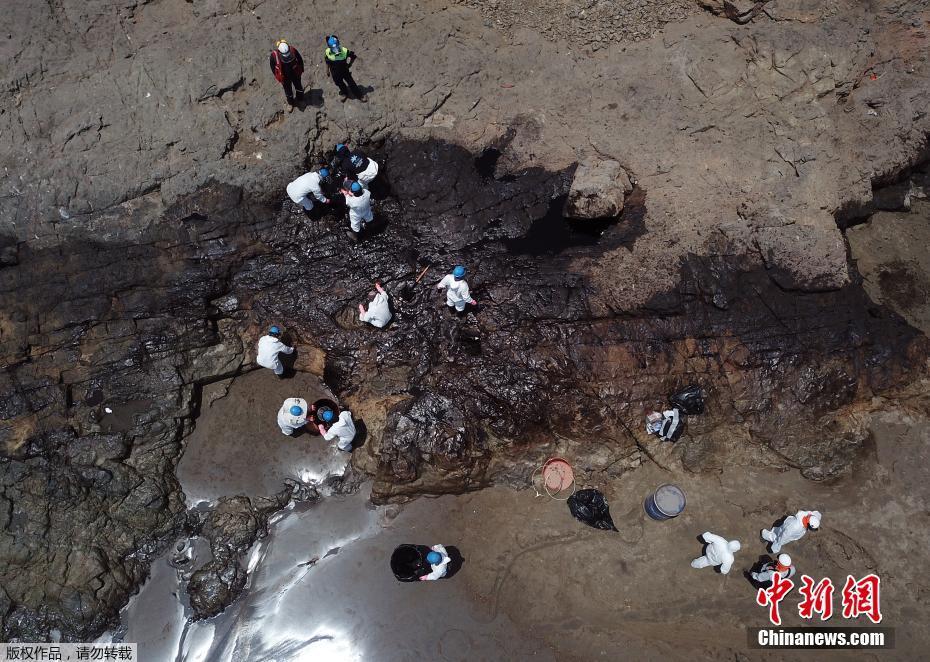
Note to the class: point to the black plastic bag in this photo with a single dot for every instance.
(590, 507)
(408, 562)
(689, 400)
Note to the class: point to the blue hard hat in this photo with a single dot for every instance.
(332, 41)
(356, 188)
(433, 558)
(459, 272)
(296, 411)
(324, 172)
(274, 331)
(327, 415)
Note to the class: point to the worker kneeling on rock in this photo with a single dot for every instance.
(782, 566)
(379, 310)
(356, 165)
(342, 429)
(293, 415)
(269, 347)
(457, 293)
(793, 528)
(308, 184)
(438, 559)
(358, 200)
(719, 552)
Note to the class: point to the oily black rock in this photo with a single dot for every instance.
(135, 322)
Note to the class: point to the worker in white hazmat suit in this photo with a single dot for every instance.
(793, 528)
(379, 310)
(438, 560)
(368, 172)
(457, 293)
(310, 184)
(268, 349)
(358, 200)
(343, 429)
(782, 566)
(292, 415)
(719, 552)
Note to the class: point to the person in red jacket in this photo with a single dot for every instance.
(288, 66)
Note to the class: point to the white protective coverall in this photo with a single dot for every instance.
(457, 292)
(719, 552)
(365, 176)
(379, 311)
(439, 569)
(792, 529)
(344, 429)
(359, 209)
(268, 349)
(300, 189)
(287, 421)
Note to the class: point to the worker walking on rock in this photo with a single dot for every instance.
(293, 415)
(438, 559)
(269, 347)
(358, 200)
(719, 551)
(457, 293)
(339, 60)
(309, 184)
(379, 310)
(793, 528)
(343, 429)
(356, 165)
(782, 566)
(287, 67)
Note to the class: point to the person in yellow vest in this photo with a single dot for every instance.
(339, 60)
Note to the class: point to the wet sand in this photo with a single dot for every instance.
(536, 584)
(238, 448)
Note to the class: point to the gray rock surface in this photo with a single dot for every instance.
(231, 527)
(144, 149)
(598, 190)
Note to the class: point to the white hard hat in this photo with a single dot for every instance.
(784, 559)
(283, 48)
(814, 522)
(733, 545)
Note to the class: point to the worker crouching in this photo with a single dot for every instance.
(782, 566)
(269, 347)
(308, 186)
(342, 429)
(379, 309)
(438, 559)
(355, 164)
(719, 552)
(292, 416)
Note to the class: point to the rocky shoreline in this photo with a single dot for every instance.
(132, 288)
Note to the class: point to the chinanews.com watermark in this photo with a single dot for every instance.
(858, 598)
(821, 638)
